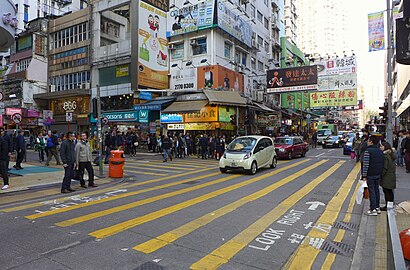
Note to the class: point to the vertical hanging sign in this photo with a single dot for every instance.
(376, 31)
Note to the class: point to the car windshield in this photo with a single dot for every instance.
(324, 132)
(242, 144)
(283, 141)
(334, 138)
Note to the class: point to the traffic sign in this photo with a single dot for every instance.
(16, 118)
(1, 96)
(105, 120)
(307, 116)
(68, 116)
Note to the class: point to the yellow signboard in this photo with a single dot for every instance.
(121, 71)
(199, 126)
(207, 114)
(333, 98)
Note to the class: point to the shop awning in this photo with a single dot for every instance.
(290, 112)
(63, 94)
(155, 105)
(185, 106)
(228, 98)
(264, 108)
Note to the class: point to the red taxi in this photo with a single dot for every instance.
(290, 147)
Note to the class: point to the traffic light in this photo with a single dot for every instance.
(383, 114)
(95, 108)
(233, 119)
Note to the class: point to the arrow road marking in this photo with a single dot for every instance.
(314, 205)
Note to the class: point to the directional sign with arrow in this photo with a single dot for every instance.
(314, 205)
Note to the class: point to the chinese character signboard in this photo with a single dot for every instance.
(333, 98)
(184, 79)
(153, 47)
(219, 77)
(189, 18)
(292, 79)
(161, 4)
(11, 111)
(207, 114)
(337, 82)
(376, 31)
(337, 66)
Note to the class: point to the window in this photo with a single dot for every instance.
(23, 65)
(253, 10)
(266, 23)
(244, 58)
(237, 57)
(260, 66)
(260, 40)
(26, 13)
(199, 47)
(227, 50)
(260, 17)
(70, 81)
(266, 46)
(253, 63)
(178, 51)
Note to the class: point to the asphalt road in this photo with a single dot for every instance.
(185, 214)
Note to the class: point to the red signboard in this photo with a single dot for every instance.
(11, 111)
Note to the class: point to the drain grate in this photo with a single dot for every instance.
(345, 226)
(190, 183)
(150, 266)
(337, 248)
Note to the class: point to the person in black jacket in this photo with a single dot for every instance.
(166, 147)
(203, 143)
(373, 161)
(4, 159)
(20, 149)
(406, 151)
(67, 153)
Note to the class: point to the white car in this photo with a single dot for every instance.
(249, 153)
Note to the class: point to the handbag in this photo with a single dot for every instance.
(352, 155)
(144, 52)
(76, 175)
(366, 194)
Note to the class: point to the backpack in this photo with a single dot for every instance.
(50, 142)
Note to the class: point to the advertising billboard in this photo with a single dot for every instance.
(229, 20)
(207, 114)
(184, 79)
(337, 66)
(183, 18)
(292, 79)
(376, 31)
(152, 47)
(219, 77)
(161, 4)
(337, 82)
(333, 98)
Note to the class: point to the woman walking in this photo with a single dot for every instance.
(388, 181)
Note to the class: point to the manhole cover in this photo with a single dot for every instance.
(150, 266)
(337, 248)
(190, 182)
(345, 226)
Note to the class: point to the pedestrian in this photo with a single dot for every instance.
(40, 146)
(363, 147)
(166, 147)
(406, 151)
(10, 143)
(51, 147)
(67, 153)
(203, 143)
(356, 146)
(107, 147)
(314, 139)
(388, 180)
(373, 161)
(20, 149)
(4, 159)
(83, 158)
(400, 159)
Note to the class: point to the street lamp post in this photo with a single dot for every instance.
(389, 128)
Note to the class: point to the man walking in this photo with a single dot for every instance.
(83, 158)
(4, 159)
(51, 147)
(400, 145)
(373, 161)
(166, 147)
(203, 143)
(67, 152)
(20, 149)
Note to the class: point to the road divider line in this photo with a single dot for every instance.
(161, 166)
(129, 168)
(169, 237)
(173, 162)
(117, 228)
(147, 173)
(225, 252)
(61, 210)
(305, 255)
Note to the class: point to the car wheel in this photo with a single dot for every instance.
(290, 155)
(303, 153)
(223, 170)
(274, 162)
(254, 168)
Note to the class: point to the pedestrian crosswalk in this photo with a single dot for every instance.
(172, 190)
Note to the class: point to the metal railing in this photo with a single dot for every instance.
(395, 259)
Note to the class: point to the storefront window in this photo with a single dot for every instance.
(115, 103)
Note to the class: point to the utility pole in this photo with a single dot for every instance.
(99, 132)
(390, 51)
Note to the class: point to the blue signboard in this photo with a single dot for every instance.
(171, 118)
(143, 116)
(152, 107)
(121, 116)
(145, 95)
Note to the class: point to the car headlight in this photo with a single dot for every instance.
(282, 150)
(247, 155)
(336, 141)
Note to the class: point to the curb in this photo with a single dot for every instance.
(361, 236)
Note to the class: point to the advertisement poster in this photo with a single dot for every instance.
(220, 78)
(337, 82)
(161, 4)
(333, 98)
(184, 79)
(189, 18)
(225, 114)
(376, 31)
(152, 48)
(229, 20)
(207, 114)
(337, 66)
(292, 79)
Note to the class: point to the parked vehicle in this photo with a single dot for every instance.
(290, 147)
(347, 148)
(333, 141)
(248, 153)
(323, 131)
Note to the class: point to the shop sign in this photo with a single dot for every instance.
(333, 98)
(226, 126)
(32, 113)
(1, 120)
(199, 96)
(184, 79)
(207, 114)
(199, 126)
(121, 71)
(143, 116)
(225, 114)
(161, 4)
(172, 118)
(145, 95)
(337, 66)
(292, 79)
(47, 115)
(121, 116)
(11, 111)
(220, 78)
(78, 105)
(147, 107)
(175, 126)
(337, 82)
(185, 18)
(153, 47)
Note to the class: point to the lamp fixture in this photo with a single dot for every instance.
(175, 65)
(205, 61)
(187, 3)
(189, 63)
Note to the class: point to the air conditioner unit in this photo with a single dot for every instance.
(85, 86)
(52, 88)
(193, 42)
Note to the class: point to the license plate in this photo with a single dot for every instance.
(233, 164)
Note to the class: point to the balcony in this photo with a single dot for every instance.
(8, 25)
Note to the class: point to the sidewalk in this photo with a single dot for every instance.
(371, 249)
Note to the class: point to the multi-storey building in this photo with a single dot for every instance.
(291, 21)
